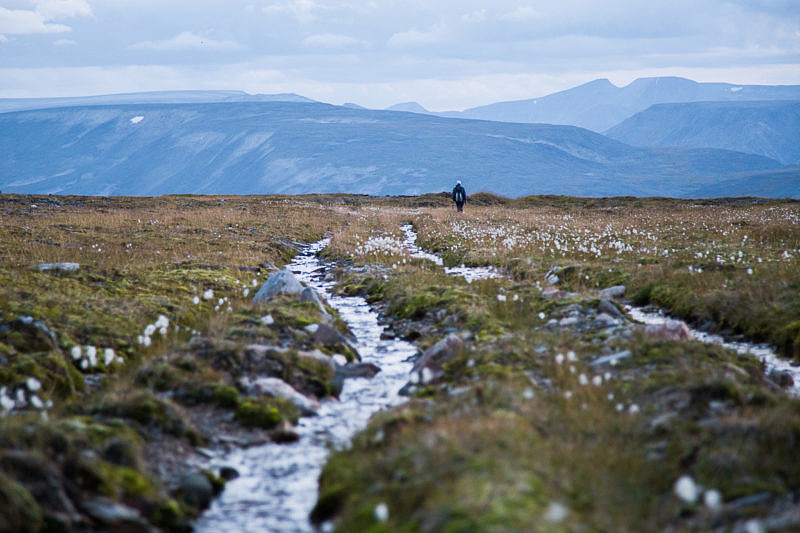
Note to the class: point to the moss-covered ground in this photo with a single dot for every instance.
(114, 363)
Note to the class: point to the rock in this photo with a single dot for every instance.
(568, 321)
(329, 336)
(357, 370)
(605, 306)
(284, 433)
(611, 359)
(551, 293)
(113, 515)
(612, 292)
(64, 267)
(605, 320)
(39, 477)
(552, 275)
(283, 281)
(228, 473)
(123, 453)
(196, 489)
(34, 335)
(310, 295)
(782, 378)
(442, 351)
(278, 388)
(673, 330)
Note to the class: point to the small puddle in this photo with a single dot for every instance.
(277, 487)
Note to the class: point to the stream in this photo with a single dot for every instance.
(277, 486)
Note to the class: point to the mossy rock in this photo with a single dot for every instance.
(258, 413)
(19, 512)
(226, 396)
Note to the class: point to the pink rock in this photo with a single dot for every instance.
(671, 330)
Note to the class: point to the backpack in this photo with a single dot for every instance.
(459, 195)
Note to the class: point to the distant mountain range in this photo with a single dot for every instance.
(600, 105)
(771, 129)
(160, 97)
(301, 147)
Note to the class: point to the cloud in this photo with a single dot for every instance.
(57, 9)
(64, 42)
(187, 40)
(332, 41)
(24, 22)
(519, 14)
(415, 38)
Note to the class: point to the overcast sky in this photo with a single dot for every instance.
(444, 54)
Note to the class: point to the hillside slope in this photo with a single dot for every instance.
(280, 147)
(599, 105)
(771, 129)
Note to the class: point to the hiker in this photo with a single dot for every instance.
(459, 196)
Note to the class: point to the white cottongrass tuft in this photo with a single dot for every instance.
(267, 320)
(91, 355)
(147, 342)
(245, 292)
(149, 330)
(567, 394)
(221, 301)
(712, 499)
(633, 409)
(381, 512)
(754, 526)
(37, 402)
(556, 512)
(76, 352)
(597, 381)
(195, 300)
(542, 316)
(33, 384)
(108, 356)
(163, 331)
(162, 322)
(559, 358)
(571, 356)
(528, 393)
(583, 380)
(208, 294)
(686, 489)
(501, 297)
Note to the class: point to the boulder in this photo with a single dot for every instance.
(606, 306)
(611, 292)
(283, 281)
(444, 350)
(277, 388)
(196, 489)
(329, 336)
(357, 370)
(310, 295)
(782, 378)
(671, 330)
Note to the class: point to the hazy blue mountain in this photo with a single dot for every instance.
(410, 107)
(770, 129)
(599, 105)
(287, 147)
(157, 97)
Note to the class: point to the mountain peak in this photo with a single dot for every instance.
(410, 107)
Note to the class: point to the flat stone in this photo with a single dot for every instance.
(64, 267)
(277, 388)
(109, 513)
(612, 292)
(605, 306)
(611, 359)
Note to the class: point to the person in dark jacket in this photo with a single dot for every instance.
(459, 196)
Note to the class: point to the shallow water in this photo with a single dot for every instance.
(762, 352)
(277, 487)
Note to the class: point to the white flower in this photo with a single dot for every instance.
(6, 402)
(33, 384)
(567, 394)
(749, 271)
(753, 526)
(221, 301)
(149, 330)
(571, 356)
(195, 300)
(245, 292)
(267, 320)
(91, 355)
(633, 409)
(597, 381)
(542, 316)
(501, 297)
(147, 342)
(76, 352)
(120, 360)
(162, 322)
(583, 380)
(559, 358)
(619, 407)
(36, 402)
(140, 339)
(85, 364)
(712, 499)
(163, 331)
(556, 512)
(527, 393)
(686, 489)
(610, 396)
(381, 512)
(108, 356)
(208, 294)
(254, 283)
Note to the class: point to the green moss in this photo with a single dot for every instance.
(258, 413)
(226, 396)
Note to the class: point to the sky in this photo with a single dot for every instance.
(444, 54)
